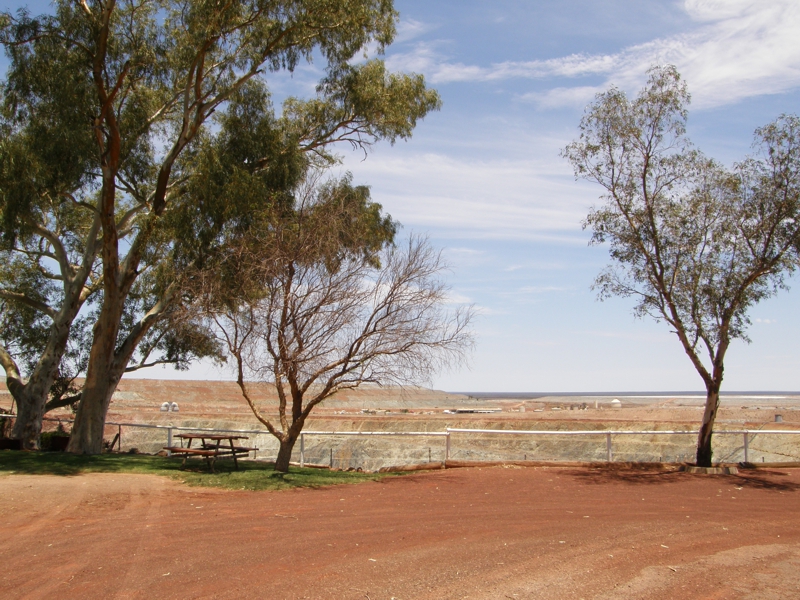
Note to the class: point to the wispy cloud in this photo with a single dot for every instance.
(501, 198)
(426, 57)
(542, 289)
(539, 265)
(654, 336)
(409, 29)
(464, 252)
(739, 49)
(486, 311)
(457, 298)
(573, 97)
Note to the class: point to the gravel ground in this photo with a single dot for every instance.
(462, 533)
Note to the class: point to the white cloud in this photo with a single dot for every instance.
(712, 10)
(739, 49)
(649, 336)
(500, 198)
(573, 97)
(456, 298)
(537, 265)
(465, 251)
(408, 29)
(542, 289)
(746, 48)
(485, 311)
(425, 57)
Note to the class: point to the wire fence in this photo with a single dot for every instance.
(372, 450)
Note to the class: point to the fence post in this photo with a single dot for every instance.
(169, 440)
(302, 450)
(608, 447)
(447, 448)
(746, 448)
(119, 439)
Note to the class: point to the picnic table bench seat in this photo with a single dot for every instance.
(198, 451)
(227, 449)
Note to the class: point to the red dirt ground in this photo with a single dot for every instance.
(462, 533)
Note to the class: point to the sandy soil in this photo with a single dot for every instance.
(462, 533)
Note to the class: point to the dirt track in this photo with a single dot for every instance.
(464, 533)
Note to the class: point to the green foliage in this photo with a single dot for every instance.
(248, 168)
(25, 327)
(52, 440)
(174, 340)
(334, 220)
(363, 102)
(252, 475)
(320, 223)
(47, 146)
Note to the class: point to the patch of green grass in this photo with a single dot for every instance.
(252, 475)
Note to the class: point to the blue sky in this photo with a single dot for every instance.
(483, 177)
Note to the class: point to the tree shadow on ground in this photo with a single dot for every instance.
(762, 479)
(65, 464)
(419, 477)
(765, 480)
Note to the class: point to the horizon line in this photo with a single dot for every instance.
(625, 394)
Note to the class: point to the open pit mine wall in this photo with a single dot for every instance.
(371, 453)
(219, 405)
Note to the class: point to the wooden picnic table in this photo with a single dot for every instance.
(211, 447)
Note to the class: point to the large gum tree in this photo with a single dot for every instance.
(696, 244)
(50, 229)
(146, 79)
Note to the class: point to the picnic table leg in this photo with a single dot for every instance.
(233, 451)
(213, 459)
(185, 456)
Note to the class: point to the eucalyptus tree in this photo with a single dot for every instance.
(148, 76)
(50, 231)
(696, 244)
(325, 302)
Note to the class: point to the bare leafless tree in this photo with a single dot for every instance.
(323, 303)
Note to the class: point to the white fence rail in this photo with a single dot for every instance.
(412, 452)
(745, 433)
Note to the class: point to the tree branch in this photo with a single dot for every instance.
(27, 301)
